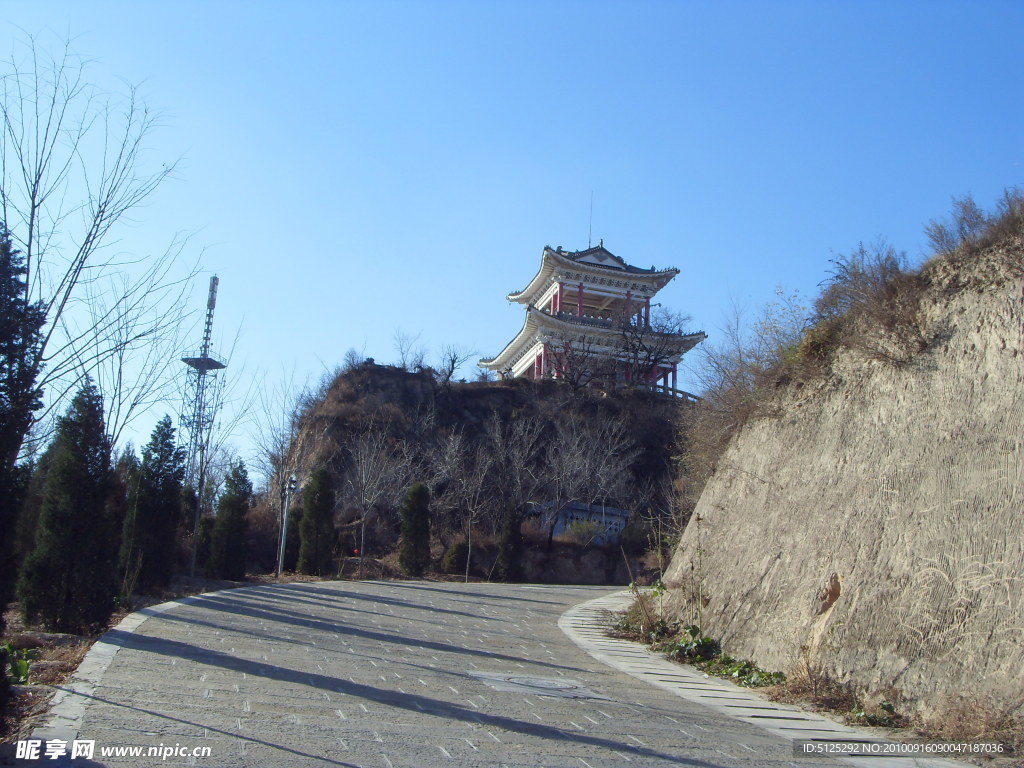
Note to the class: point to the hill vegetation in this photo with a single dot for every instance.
(488, 453)
(871, 305)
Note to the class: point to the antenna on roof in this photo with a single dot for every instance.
(590, 224)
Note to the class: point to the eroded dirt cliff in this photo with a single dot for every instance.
(875, 522)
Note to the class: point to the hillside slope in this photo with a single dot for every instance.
(494, 455)
(877, 521)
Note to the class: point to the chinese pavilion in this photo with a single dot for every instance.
(591, 310)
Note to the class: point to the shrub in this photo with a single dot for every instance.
(812, 679)
(968, 229)
(635, 536)
(637, 621)
(316, 528)
(965, 226)
(510, 547)
(693, 646)
(582, 532)
(414, 553)
(227, 540)
(455, 557)
(821, 341)
(5, 687)
(872, 302)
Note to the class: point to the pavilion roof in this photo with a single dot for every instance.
(541, 321)
(597, 261)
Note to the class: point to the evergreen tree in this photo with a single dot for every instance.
(31, 504)
(317, 524)
(11, 505)
(510, 547)
(414, 553)
(20, 324)
(69, 581)
(21, 477)
(203, 540)
(293, 541)
(150, 526)
(227, 540)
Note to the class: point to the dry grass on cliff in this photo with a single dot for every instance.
(871, 303)
(974, 719)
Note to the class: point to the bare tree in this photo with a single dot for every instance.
(353, 359)
(612, 453)
(584, 360)
(517, 448)
(442, 467)
(132, 340)
(588, 461)
(274, 423)
(731, 378)
(474, 491)
(453, 357)
(565, 465)
(72, 165)
(371, 474)
(645, 346)
(596, 351)
(411, 354)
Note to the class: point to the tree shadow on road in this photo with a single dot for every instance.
(278, 615)
(410, 702)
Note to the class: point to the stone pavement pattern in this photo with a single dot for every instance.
(396, 674)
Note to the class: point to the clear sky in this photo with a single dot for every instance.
(353, 168)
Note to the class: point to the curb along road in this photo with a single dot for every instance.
(584, 624)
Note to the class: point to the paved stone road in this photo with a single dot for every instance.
(395, 674)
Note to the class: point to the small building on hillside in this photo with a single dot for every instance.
(595, 523)
(588, 321)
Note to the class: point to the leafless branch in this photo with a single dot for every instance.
(72, 165)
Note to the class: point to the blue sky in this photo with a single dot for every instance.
(353, 168)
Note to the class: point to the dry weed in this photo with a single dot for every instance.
(978, 719)
(813, 682)
(55, 665)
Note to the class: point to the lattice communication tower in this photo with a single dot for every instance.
(197, 413)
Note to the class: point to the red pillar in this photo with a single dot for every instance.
(544, 361)
(579, 301)
(561, 296)
(647, 312)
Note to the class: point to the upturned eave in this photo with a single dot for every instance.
(553, 261)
